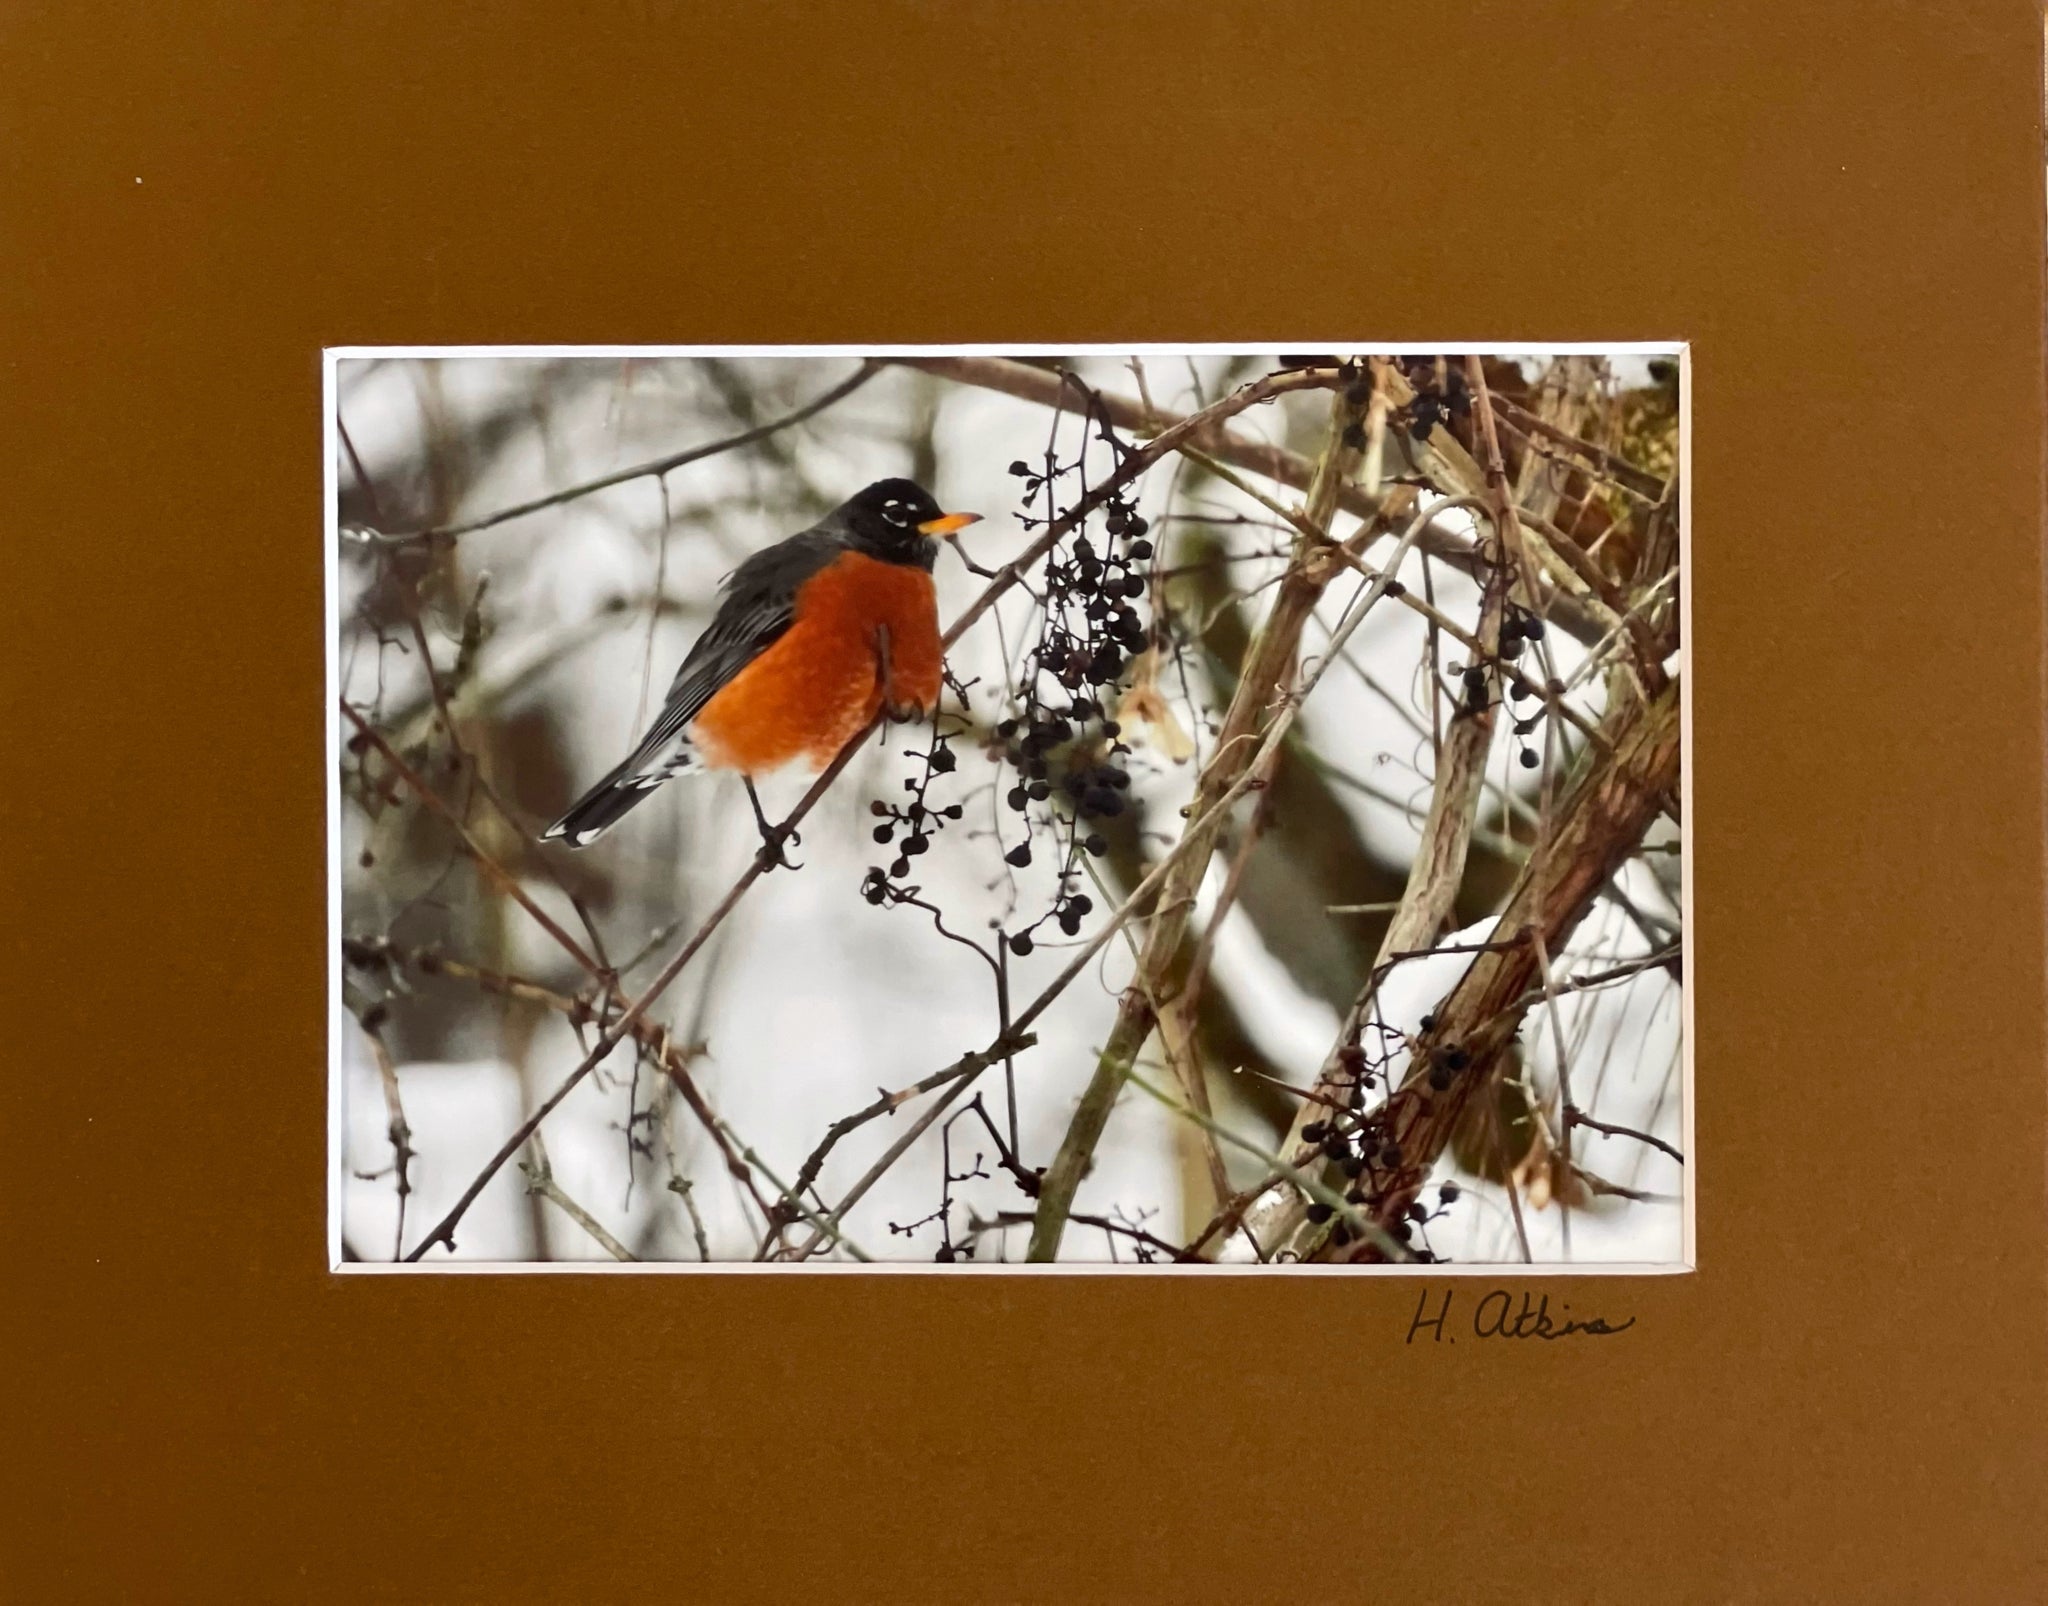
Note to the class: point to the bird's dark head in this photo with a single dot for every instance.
(898, 522)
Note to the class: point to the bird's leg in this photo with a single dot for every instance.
(881, 639)
(884, 675)
(772, 836)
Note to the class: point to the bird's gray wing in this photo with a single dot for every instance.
(757, 606)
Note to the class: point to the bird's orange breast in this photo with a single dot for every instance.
(820, 683)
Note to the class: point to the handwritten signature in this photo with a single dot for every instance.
(1496, 1315)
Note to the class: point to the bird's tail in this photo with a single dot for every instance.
(603, 806)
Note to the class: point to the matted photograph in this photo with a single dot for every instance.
(1123, 809)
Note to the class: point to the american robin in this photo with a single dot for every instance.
(812, 638)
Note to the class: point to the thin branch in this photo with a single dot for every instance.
(659, 466)
(686, 1190)
(1663, 959)
(1574, 1116)
(540, 1181)
(504, 878)
(1121, 1229)
(1596, 1184)
(369, 1014)
(795, 1202)
(888, 1104)
(1564, 1072)
(653, 1039)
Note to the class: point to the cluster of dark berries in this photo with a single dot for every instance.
(1433, 405)
(1064, 747)
(1357, 392)
(1517, 630)
(1445, 1059)
(1094, 789)
(1476, 693)
(1405, 1228)
(1362, 1070)
(1359, 1147)
(1358, 1144)
(916, 820)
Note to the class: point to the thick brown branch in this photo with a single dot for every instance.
(1599, 824)
(1618, 469)
(1262, 685)
(1434, 877)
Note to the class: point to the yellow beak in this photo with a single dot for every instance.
(951, 524)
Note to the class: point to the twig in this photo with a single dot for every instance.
(540, 1180)
(1596, 1184)
(1662, 959)
(369, 1015)
(795, 1202)
(1564, 1072)
(888, 1104)
(413, 722)
(954, 1081)
(686, 1190)
(659, 466)
(1019, 1218)
(490, 866)
(1574, 1116)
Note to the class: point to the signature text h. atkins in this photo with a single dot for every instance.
(1501, 1314)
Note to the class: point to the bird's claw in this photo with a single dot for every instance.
(772, 856)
